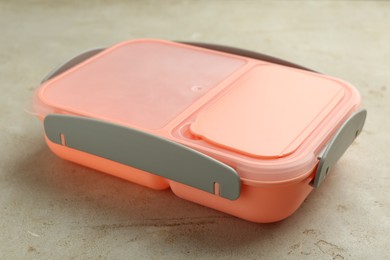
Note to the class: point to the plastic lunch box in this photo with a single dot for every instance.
(237, 131)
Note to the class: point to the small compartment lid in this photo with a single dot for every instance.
(268, 112)
(145, 83)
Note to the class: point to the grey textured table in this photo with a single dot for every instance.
(52, 209)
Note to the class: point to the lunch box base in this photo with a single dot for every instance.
(261, 204)
(255, 204)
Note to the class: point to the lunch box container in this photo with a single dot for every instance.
(237, 131)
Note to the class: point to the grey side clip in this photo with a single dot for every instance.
(144, 151)
(338, 145)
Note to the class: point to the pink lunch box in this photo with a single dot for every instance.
(237, 131)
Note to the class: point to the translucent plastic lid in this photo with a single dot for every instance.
(269, 112)
(145, 83)
(265, 120)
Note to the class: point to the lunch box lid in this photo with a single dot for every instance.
(267, 121)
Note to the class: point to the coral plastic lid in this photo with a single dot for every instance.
(268, 112)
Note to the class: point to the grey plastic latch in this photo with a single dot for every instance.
(72, 62)
(338, 145)
(144, 151)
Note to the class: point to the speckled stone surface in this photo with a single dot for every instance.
(52, 209)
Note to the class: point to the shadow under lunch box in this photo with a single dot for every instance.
(237, 131)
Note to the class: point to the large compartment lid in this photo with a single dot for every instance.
(146, 83)
(268, 112)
